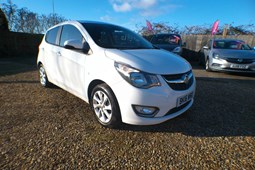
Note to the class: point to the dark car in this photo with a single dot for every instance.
(169, 42)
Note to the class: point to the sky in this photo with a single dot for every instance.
(134, 13)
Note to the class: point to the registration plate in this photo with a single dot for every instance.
(184, 99)
(238, 66)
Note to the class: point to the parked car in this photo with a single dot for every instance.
(228, 55)
(169, 42)
(122, 76)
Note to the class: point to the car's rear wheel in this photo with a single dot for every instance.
(207, 65)
(105, 106)
(43, 77)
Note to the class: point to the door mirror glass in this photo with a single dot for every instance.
(73, 44)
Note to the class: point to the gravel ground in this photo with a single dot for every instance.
(52, 129)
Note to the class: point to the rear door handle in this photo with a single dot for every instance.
(59, 53)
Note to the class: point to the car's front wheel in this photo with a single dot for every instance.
(105, 106)
(201, 59)
(43, 77)
(207, 65)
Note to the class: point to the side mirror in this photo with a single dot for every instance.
(184, 44)
(85, 47)
(73, 44)
(205, 48)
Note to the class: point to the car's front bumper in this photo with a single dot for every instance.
(161, 97)
(224, 65)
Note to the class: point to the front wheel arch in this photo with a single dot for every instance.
(115, 119)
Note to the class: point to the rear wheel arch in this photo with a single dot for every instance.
(39, 64)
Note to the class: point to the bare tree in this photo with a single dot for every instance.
(21, 20)
(160, 27)
(48, 21)
(10, 9)
(24, 20)
(3, 21)
(242, 29)
(197, 29)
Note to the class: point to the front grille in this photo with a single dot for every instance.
(175, 81)
(176, 109)
(239, 60)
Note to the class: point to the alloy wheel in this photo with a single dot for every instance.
(102, 107)
(207, 64)
(43, 77)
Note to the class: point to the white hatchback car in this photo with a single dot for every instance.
(122, 76)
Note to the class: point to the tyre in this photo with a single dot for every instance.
(201, 59)
(105, 106)
(43, 77)
(207, 65)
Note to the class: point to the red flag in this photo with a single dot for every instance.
(215, 27)
(149, 26)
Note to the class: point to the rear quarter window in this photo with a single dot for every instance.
(51, 36)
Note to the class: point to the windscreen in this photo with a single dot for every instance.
(166, 39)
(111, 36)
(231, 44)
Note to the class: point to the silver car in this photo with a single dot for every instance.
(228, 55)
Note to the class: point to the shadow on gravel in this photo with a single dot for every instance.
(222, 107)
(15, 65)
(18, 82)
(196, 66)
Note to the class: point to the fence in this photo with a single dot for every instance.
(14, 44)
(24, 44)
(196, 42)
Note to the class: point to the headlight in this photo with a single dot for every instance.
(177, 50)
(137, 78)
(216, 56)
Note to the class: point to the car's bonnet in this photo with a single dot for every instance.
(150, 60)
(225, 53)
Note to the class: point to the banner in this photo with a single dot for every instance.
(215, 27)
(149, 26)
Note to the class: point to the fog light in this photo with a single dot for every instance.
(145, 111)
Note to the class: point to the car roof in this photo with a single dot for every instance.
(74, 22)
(93, 22)
(97, 23)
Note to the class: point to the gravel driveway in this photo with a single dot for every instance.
(52, 129)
